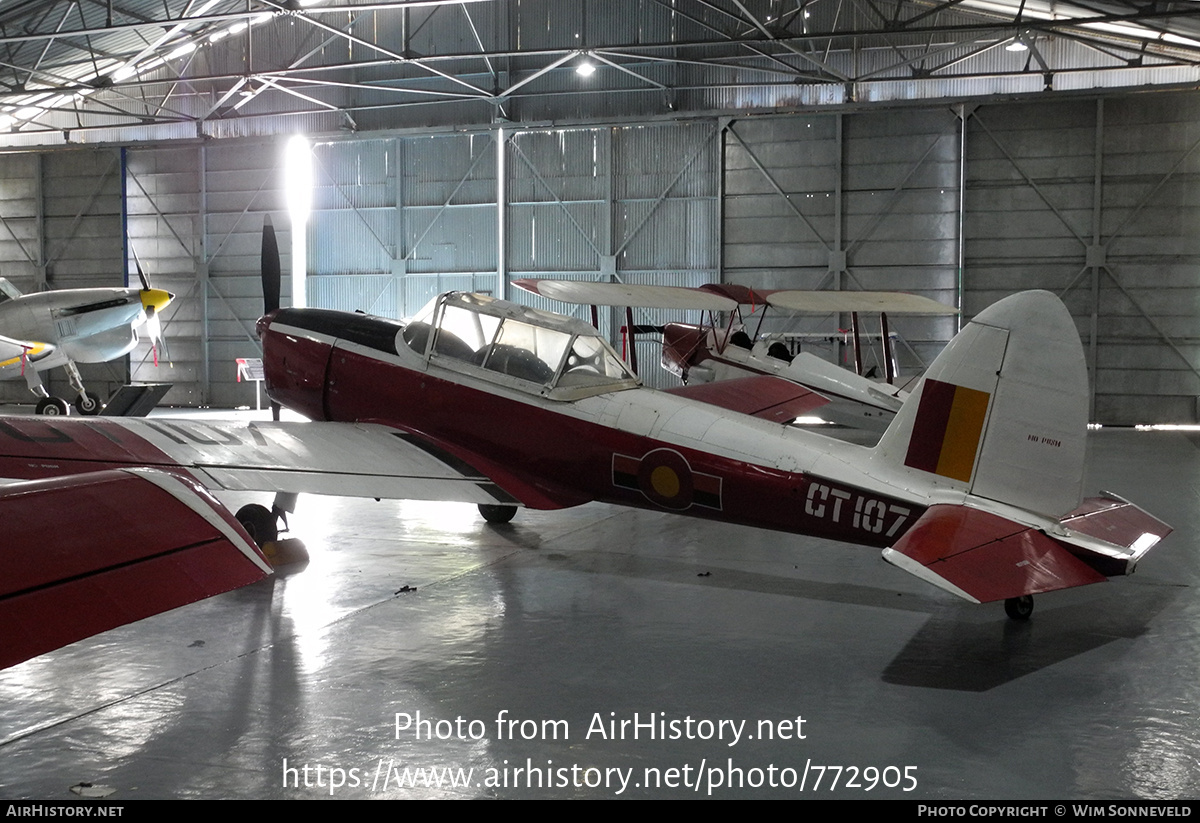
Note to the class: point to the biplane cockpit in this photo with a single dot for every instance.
(558, 357)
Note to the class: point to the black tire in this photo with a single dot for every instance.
(259, 523)
(52, 407)
(496, 513)
(1019, 608)
(88, 404)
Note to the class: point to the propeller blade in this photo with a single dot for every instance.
(141, 274)
(271, 270)
(155, 333)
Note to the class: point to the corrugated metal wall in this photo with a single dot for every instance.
(196, 217)
(1093, 199)
(862, 201)
(1096, 201)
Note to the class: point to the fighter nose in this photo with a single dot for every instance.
(156, 299)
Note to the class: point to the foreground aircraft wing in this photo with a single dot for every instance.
(111, 520)
(93, 551)
(352, 460)
(763, 396)
(983, 557)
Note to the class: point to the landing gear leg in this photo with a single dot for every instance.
(87, 403)
(47, 405)
(496, 513)
(285, 504)
(1019, 608)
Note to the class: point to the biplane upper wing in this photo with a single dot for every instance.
(831, 302)
(588, 293)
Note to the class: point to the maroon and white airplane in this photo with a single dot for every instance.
(975, 487)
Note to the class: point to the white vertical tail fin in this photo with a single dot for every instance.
(1002, 412)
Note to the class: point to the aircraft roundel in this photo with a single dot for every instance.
(666, 479)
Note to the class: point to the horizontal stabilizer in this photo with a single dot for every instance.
(91, 552)
(770, 398)
(983, 557)
(1117, 521)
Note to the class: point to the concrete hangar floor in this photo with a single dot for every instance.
(604, 652)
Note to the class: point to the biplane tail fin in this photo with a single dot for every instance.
(1002, 412)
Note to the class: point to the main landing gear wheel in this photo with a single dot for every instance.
(1019, 608)
(52, 407)
(88, 403)
(259, 522)
(497, 514)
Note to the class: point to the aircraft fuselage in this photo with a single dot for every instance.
(636, 447)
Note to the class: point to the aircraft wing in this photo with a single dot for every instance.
(983, 557)
(762, 396)
(590, 293)
(93, 551)
(829, 302)
(352, 460)
(12, 350)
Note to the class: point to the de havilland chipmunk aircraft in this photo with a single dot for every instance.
(711, 351)
(45, 330)
(975, 487)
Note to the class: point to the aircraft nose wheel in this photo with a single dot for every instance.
(1019, 608)
(88, 403)
(497, 514)
(52, 407)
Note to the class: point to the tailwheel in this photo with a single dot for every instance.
(88, 403)
(259, 523)
(1019, 608)
(497, 514)
(52, 407)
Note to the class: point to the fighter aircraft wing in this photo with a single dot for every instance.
(93, 551)
(761, 396)
(983, 557)
(352, 460)
(12, 351)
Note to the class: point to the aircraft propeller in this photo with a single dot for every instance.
(152, 300)
(272, 273)
(271, 268)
